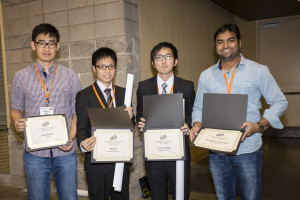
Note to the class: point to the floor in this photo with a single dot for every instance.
(281, 174)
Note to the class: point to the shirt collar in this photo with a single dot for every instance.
(241, 64)
(169, 82)
(42, 69)
(103, 87)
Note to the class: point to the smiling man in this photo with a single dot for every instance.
(101, 94)
(164, 58)
(233, 74)
(47, 87)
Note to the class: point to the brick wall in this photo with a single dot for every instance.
(84, 25)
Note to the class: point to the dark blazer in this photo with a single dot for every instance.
(87, 98)
(149, 87)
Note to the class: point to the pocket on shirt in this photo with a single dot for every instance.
(243, 87)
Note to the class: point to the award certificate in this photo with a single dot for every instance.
(113, 145)
(226, 141)
(44, 132)
(164, 144)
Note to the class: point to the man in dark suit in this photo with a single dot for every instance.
(102, 94)
(164, 58)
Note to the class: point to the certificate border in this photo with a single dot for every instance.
(127, 161)
(218, 151)
(28, 149)
(166, 159)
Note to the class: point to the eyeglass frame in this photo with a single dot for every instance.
(46, 44)
(164, 57)
(110, 67)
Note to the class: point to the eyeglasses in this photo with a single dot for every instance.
(104, 67)
(43, 44)
(160, 57)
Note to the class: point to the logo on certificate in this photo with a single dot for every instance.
(45, 124)
(113, 137)
(163, 137)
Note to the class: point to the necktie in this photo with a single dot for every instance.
(108, 100)
(164, 86)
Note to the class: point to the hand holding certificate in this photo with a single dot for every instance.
(222, 122)
(43, 132)
(163, 139)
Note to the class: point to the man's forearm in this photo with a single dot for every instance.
(73, 127)
(16, 114)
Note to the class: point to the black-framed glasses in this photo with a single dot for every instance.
(160, 57)
(43, 44)
(104, 67)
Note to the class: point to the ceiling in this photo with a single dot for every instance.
(260, 9)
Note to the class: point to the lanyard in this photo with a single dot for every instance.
(229, 86)
(46, 93)
(170, 90)
(112, 99)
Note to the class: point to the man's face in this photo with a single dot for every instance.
(105, 76)
(227, 46)
(164, 61)
(46, 54)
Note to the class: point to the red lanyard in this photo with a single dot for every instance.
(170, 90)
(46, 93)
(229, 86)
(112, 99)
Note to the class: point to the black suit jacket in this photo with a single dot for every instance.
(87, 98)
(149, 87)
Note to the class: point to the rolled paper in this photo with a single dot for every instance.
(128, 92)
(119, 168)
(118, 177)
(179, 179)
(180, 174)
(83, 193)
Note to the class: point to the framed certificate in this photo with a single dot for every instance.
(164, 145)
(112, 145)
(44, 132)
(222, 141)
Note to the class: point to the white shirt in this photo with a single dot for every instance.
(103, 87)
(169, 82)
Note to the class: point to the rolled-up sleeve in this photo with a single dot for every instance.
(274, 97)
(17, 93)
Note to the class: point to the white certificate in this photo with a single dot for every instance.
(226, 141)
(44, 132)
(113, 145)
(164, 144)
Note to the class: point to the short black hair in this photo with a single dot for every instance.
(104, 52)
(162, 45)
(228, 27)
(45, 29)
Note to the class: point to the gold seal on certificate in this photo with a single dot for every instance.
(113, 145)
(43, 132)
(226, 141)
(166, 144)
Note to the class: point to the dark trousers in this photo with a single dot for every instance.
(100, 185)
(159, 174)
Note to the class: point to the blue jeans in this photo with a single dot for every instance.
(242, 171)
(38, 171)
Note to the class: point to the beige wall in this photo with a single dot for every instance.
(278, 48)
(189, 25)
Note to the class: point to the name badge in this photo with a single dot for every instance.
(46, 110)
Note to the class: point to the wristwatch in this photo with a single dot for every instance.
(261, 127)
